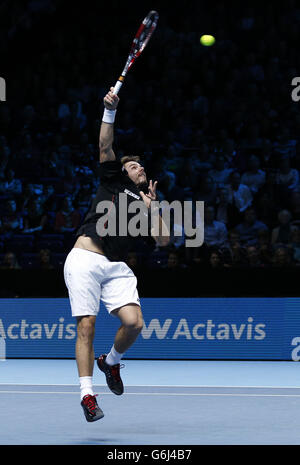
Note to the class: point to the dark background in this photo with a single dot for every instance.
(184, 108)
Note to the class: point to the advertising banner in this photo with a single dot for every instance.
(174, 328)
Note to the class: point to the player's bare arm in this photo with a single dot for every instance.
(106, 137)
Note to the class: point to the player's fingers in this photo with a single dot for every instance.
(109, 99)
(113, 98)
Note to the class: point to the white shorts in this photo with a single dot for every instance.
(90, 277)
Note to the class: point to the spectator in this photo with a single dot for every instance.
(173, 262)
(233, 237)
(11, 185)
(254, 260)
(283, 232)
(4, 159)
(29, 119)
(294, 205)
(48, 198)
(215, 232)
(220, 173)
(238, 256)
(287, 177)
(44, 260)
(189, 176)
(12, 220)
(206, 159)
(266, 208)
(52, 166)
(67, 219)
(71, 184)
(254, 177)
(83, 197)
(295, 245)
(170, 189)
(36, 219)
(249, 228)
(10, 262)
(282, 257)
(207, 189)
(215, 260)
(235, 253)
(239, 194)
(226, 212)
(265, 247)
(27, 195)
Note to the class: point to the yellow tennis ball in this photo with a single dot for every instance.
(207, 40)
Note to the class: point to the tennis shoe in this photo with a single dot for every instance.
(91, 409)
(112, 373)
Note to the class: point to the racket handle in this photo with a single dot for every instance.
(117, 87)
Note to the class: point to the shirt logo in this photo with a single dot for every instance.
(128, 192)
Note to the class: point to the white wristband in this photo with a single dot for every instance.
(109, 116)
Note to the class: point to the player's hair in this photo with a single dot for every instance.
(128, 158)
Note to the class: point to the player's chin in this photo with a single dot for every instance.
(143, 185)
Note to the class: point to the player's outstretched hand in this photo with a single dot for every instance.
(111, 100)
(147, 198)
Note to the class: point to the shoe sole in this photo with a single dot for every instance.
(91, 420)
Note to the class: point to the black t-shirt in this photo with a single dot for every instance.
(113, 182)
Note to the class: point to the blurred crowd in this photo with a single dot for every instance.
(214, 124)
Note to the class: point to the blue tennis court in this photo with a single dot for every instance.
(165, 402)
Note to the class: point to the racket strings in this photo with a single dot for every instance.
(140, 41)
(145, 31)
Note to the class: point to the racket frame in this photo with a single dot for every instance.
(134, 51)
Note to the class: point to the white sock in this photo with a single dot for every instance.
(86, 386)
(113, 357)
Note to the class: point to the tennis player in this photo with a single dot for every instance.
(95, 268)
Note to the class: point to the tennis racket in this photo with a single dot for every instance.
(140, 41)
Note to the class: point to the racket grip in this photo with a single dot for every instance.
(117, 87)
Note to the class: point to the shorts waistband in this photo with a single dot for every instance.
(85, 251)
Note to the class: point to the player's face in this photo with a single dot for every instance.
(135, 172)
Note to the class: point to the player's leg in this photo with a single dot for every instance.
(131, 325)
(85, 364)
(120, 297)
(80, 272)
(131, 319)
(84, 348)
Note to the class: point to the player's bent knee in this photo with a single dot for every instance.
(134, 327)
(131, 317)
(137, 325)
(134, 322)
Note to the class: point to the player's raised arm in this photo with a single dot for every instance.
(106, 137)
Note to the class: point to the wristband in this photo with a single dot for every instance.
(109, 116)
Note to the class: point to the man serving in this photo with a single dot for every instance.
(95, 268)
